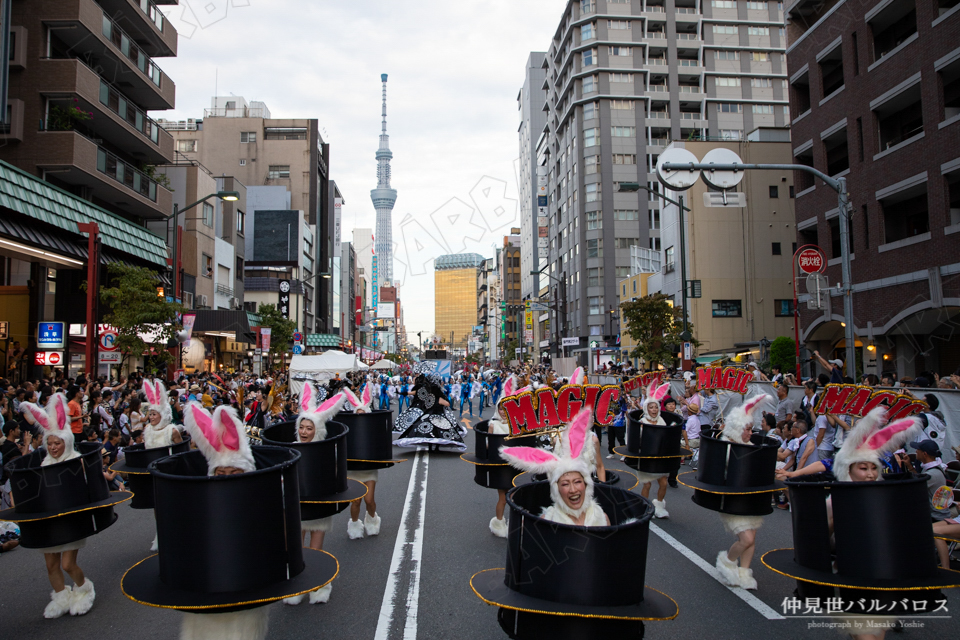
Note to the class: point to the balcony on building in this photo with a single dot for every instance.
(146, 24)
(82, 165)
(81, 29)
(71, 84)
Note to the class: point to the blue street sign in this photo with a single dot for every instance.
(297, 349)
(50, 335)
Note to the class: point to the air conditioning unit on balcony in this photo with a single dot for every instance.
(202, 302)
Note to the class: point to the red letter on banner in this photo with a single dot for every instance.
(547, 403)
(607, 398)
(569, 402)
(520, 413)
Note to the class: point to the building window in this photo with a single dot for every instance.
(589, 57)
(774, 191)
(208, 214)
(279, 171)
(892, 26)
(838, 159)
(763, 109)
(900, 118)
(591, 137)
(723, 81)
(620, 51)
(587, 6)
(621, 77)
(831, 71)
(595, 277)
(730, 107)
(591, 165)
(758, 31)
(757, 6)
(595, 248)
(775, 249)
(207, 266)
(669, 262)
(595, 304)
(618, 24)
(800, 92)
(587, 32)
(793, 193)
(590, 84)
(248, 136)
(240, 221)
(761, 83)
(905, 215)
(726, 55)
(723, 4)
(725, 29)
(655, 219)
(187, 146)
(623, 105)
(623, 272)
(654, 243)
(731, 134)
(950, 86)
(626, 214)
(591, 110)
(593, 192)
(727, 309)
(625, 243)
(760, 56)
(238, 271)
(623, 132)
(783, 308)
(243, 162)
(285, 133)
(834, 224)
(594, 220)
(624, 158)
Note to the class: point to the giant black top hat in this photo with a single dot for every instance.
(490, 470)
(134, 466)
(597, 588)
(63, 502)
(325, 489)
(227, 542)
(882, 532)
(653, 448)
(734, 478)
(369, 440)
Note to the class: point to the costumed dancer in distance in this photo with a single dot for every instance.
(430, 420)
(58, 441)
(222, 440)
(651, 415)
(738, 428)
(371, 521)
(384, 393)
(311, 426)
(160, 430)
(569, 474)
(403, 391)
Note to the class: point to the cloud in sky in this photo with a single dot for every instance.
(455, 70)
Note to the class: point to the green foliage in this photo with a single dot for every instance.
(66, 118)
(161, 179)
(656, 327)
(281, 334)
(783, 354)
(136, 310)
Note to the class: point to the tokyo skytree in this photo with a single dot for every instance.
(383, 200)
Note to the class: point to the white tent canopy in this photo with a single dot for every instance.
(384, 364)
(320, 368)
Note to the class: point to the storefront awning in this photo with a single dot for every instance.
(323, 340)
(224, 321)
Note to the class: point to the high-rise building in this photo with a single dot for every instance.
(363, 245)
(511, 302)
(455, 298)
(623, 80)
(241, 139)
(875, 89)
(383, 200)
(533, 119)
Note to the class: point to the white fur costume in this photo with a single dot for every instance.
(161, 434)
(574, 454)
(867, 441)
(250, 624)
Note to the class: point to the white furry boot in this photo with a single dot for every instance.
(250, 624)
(83, 597)
(321, 595)
(354, 529)
(59, 604)
(371, 525)
(660, 509)
(729, 571)
(293, 600)
(155, 545)
(498, 527)
(747, 581)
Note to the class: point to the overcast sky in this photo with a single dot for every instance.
(455, 70)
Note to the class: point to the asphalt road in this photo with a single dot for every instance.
(431, 596)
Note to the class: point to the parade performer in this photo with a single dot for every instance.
(61, 499)
(311, 426)
(466, 393)
(384, 393)
(569, 473)
(430, 420)
(160, 430)
(403, 398)
(651, 415)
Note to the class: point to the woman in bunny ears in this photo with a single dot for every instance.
(221, 439)
(159, 430)
(651, 415)
(311, 426)
(568, 472)
(498, 425)
(59, 444)
(371, 521)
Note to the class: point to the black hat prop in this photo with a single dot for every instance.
(883, 537)
(596, 591)
(652, 448)
(60, 502)
(370, 435)
(134, 469)
(735, 476)
(490, 469)
(228, 542)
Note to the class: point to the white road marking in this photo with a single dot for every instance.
(388, 606)
(761, 607)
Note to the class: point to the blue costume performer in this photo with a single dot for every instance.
(402, 398)
(466, 394)
(384, 393)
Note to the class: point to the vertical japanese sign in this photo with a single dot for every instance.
(283, 304)
(337, 221)
(265, 338)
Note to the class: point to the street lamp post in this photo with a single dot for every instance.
(323, 274)
(560, 320)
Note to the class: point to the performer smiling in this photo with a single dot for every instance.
(651, 415)
(160, 430)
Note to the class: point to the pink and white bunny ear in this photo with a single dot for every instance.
(893, 436)
(352, 399)
(508, 386)
(149, 392)
(579, 376)
(329, 408)
(200, 423)
(367, 396)
(530, 459)
(58, 412)
(577, 433)
(228, 424)
(39, 414)
(751, 405)
(660, 392)
(159, 391)
(307, 398)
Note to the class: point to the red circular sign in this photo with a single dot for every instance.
(811, 260)
(53, 358)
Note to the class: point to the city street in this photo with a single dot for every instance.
(446, 541)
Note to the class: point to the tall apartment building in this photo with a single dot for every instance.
(624, 79)
(533, 119)
(875, 89)
(363, 245)
(241, 139)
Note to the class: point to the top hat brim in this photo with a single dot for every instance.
(473, 459)
(141, 583)
(692, 482)
(115, 498)
(121, 466)
(354, 491)
(782, 561)
(489, 586)
(623, 451)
